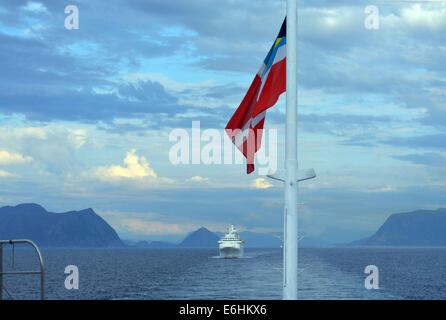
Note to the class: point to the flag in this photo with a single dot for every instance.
(246, 125)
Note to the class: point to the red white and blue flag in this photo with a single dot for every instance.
(246, 125)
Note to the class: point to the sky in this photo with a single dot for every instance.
(86, 114)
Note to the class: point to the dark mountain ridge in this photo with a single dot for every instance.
(47, 229)
(201, 238)
(424, 228)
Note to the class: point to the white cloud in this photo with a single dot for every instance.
(261, 183)
(35, 7)
(136, 171)
(135, 168)
(432, 17)
(6, 174)
(52, 147)
(387, 188)
(199, 179)
(13, 158)
(78, 137)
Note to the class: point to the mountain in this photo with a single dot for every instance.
(71, 229)
(417, 228)
(201, 238)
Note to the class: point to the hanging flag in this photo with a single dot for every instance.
(246, 125)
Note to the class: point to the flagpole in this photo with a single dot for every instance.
(291, 166)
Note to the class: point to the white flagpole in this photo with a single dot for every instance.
(291, 175)
(291, 167)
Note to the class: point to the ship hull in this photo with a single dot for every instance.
(231, 252)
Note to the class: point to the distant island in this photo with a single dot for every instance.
(421, 228)
(200, 238)
(47, 229)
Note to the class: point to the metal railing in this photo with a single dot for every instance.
(41, 272)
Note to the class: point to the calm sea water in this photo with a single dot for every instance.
(331, 273)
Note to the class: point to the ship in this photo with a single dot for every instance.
(231, 246)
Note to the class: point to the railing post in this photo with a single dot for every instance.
(41, 272)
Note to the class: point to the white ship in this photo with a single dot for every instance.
(231, 246)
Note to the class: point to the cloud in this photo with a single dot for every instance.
(6, 174)
(13, 158)
(135, 168)
(420, 16)
(198, 179)
(65, 77)
(77, 78)
(136, 174)
(431, 141)
(261, 183)
(387, 188)
(339, 124)
(53, 83)
(53, 147)
(35, 7)
(428, 159)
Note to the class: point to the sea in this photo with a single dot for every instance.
(323, 273)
